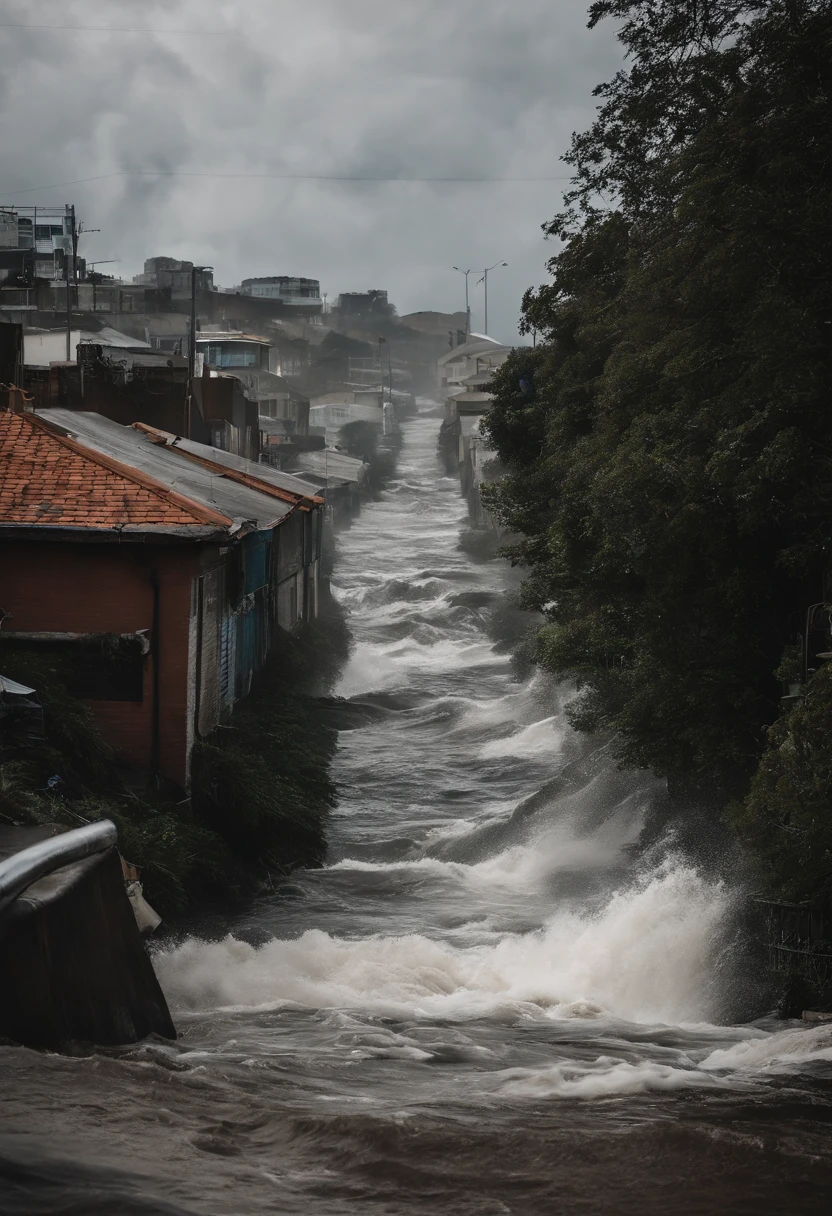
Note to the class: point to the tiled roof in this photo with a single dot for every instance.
(204, 482)
(48, 478)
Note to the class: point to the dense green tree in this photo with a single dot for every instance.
(786, 816)
(669, 442)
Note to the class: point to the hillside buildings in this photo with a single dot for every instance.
(175, 276)
(303, 295)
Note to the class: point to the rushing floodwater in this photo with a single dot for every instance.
(487, 1003)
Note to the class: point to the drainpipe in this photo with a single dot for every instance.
(154, 659)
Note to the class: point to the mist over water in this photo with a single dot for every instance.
(492, 999)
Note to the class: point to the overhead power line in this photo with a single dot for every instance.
(288, 177)
(112, 29)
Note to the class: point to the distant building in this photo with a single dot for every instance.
(175, 275)
(465, 373)
(225, 350)
(342, 480)
(469, 366)
(46, 232)
(372, 303)
(42, 347)
(284, 413)
(36, 247)
(301, 294)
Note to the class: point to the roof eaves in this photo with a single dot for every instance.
(141, 533)
(305, 502)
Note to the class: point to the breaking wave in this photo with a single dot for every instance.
(644, 957)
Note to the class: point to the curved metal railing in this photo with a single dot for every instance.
(22, 869)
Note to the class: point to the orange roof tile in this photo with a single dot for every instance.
(47, 478)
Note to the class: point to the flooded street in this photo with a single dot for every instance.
(490, 1000)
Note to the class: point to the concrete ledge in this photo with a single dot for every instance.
(73, 965)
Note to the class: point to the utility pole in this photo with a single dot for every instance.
(95, 276)
(76, 236)
(192, 349)
(68, 310)
(467, 305)
(74, 248)
(484, 280)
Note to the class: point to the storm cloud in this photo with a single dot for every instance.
(219, 141)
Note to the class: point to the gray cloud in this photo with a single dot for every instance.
(422, 88)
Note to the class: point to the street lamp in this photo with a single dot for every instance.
(467, 306)
(484, 279)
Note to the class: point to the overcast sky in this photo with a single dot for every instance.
(362, 88)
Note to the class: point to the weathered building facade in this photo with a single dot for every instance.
(185, 560)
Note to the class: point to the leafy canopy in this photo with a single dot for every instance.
(669, 478)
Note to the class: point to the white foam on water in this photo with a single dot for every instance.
(521, 867)
(603, 1078)
(644, 958)
(736, 1066)
(382, 667)
(783, 1051)
(543, 738)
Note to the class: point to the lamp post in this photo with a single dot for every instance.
(484, 280)
(467, 306)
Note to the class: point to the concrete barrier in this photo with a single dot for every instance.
(73, 966)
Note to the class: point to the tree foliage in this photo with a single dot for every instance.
(669, 442)
(786, 816)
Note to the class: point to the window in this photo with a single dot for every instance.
(231, 356)
(238, 358)
(96, 669)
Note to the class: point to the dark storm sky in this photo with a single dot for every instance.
(355, 88)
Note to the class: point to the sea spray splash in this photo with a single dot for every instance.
(644, 957)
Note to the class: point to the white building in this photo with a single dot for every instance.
(469, 367)
(41, 347)
(297, 293)
(47, 231)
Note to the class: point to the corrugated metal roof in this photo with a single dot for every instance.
(14, 689)
(329, 464)
(121, 356)
(476, 345)
(472, 398)
(207, 335)
(202, 485)
(355, 413)
(281, 481)
(107, 336)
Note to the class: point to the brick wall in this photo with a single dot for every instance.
(86, 588)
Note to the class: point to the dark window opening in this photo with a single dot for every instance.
(109, 669)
